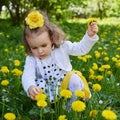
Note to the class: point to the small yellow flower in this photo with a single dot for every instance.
(95, 66)
(99, 77)
(96, 87)
(78, 106)
(93, 113)
(16, 62)
(34, 20)
(10, 116)
(114, 59)
(109, 72)
(80, 93)
(16, 72)
(4, 69)
(41, 103)
(91, 71)
(62, 117)
(106, 58)
(4, 82)
(40, 97)
(92, 77)
(109, 115)
(66, 93)
(97, 54)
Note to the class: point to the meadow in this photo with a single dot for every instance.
(101, 68)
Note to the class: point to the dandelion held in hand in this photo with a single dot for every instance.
(40, 97)
(34, 20)
(92, 20)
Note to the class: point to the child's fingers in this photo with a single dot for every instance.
(93, 23)
(94, 27)
(32, 97)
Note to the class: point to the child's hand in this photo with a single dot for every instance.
(92, 29)
(33, 91)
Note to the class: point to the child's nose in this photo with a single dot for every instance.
(40, 50)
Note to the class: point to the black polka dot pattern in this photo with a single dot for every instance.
(53, 75)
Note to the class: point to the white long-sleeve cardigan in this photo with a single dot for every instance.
(60, 57)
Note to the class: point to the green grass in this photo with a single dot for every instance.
(13, 98)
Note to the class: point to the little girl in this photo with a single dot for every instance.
(47, 64)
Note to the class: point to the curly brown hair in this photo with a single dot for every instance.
(57, 36)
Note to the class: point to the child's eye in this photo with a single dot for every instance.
(44, 45)
(34, 48)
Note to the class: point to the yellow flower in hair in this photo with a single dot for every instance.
(34, 20)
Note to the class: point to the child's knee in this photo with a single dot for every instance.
(76, 83)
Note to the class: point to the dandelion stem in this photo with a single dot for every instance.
(3, 108)
(41, 114)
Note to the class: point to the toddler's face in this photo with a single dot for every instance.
(40, 45)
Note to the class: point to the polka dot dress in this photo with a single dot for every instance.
(52, 78)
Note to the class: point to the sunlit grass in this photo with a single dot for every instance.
(101, 66)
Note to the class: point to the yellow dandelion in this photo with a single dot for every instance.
(4, 69)
(41, 103)
(62, 117)
(92, 77)
(114, 59)
(80, 93)
(16, 62)
(78, 106)
(93, 113)
(16, 72)
(109, 115)
(97, 54)
(91, 71)
(90, 20)
(10, 116)
(40, 97)
(95, 66)
(99, 77)
(66, 93)
(4, 82)
(106, 59)
(96, 87)
(109, 72)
